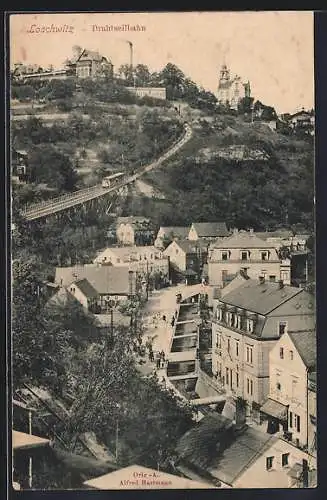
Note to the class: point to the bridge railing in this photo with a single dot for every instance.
(58, 199)
(76, 194)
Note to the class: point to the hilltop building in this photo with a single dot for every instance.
(231, 89)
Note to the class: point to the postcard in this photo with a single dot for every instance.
(163, 250)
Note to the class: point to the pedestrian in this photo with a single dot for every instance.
(163, 318)
(173, 321)
(158, 360)
(151, 356)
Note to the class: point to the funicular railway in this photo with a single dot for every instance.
(111, 184)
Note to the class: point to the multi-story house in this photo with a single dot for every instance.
(134, 230)
(244, 251)
(246, 324)
(291, 404)
(167, 234)
(185, 255)
(90, 64)
(142, 259)
(208, 231)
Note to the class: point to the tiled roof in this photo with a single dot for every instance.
(236, 458)
(261, 298)
(306, 345)
(214, 447)
(86, 288)
(198, 445)
(210, 229)
(243, 239)
(104, 279)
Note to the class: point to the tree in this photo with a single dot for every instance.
(142, 75)
(173, 79)
(48, 165)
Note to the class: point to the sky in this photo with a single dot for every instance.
(273, 50)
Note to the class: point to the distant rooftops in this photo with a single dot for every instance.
(210, 229)
(243, 239)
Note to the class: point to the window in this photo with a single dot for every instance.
(227, 376)
(237, 347)
(278, 386)
(251, 387)
(228, 345)
(284, 275)
(281, 353)
(237, 379)
(285, 457)
(272, 278)
(249, 325)
(218, 341)
(291, 420)
(244, 255)
(224, 255)
(297, 423)
(269, 462)
(291, 355)
(176, 251)
(248, 385)
(294, 389)
(282, 327)
(264, 255)
(249, 354)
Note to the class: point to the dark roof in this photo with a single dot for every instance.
(211, 229)
(306, 345)
(86, 288)
(198, 445)
(214, 446)
(261, 298)
(245, 449)
(104, 279)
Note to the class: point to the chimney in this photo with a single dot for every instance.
(261, 280)
(280, 284)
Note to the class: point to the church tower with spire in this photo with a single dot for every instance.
(230, 88)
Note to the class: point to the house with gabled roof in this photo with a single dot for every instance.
(246, 324)
(90, 64)
(292, 374)
(244, 251)
(232, 456)
(134, 230)
(187, 258)
(208, 230)
(167, 234)
(92, 282)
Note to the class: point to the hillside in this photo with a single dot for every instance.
(243, 173)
